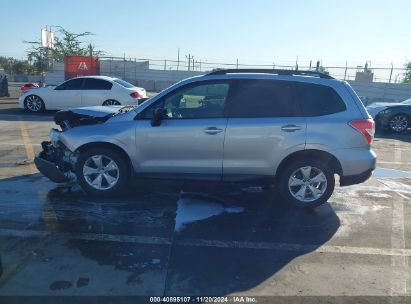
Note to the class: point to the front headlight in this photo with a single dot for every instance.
(55, 137)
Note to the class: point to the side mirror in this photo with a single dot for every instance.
(158, 116)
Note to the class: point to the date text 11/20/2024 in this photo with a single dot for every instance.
(232, 299)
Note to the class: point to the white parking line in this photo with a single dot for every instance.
(397, 151)
(399, 263)
(211, 243)
(17, 144)
(390, 162)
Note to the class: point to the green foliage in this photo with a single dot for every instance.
(66, 44)
(407, 78)
(15, 66)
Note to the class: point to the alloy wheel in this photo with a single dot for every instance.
(101, 172)
(307, 184)
(399, 123)
(34, 103)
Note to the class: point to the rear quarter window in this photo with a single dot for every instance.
(319, 100)
(97, 84)
(262, 98)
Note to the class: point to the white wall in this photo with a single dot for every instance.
(383, 91)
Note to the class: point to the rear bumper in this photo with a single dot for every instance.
(355, 179)
(49, 169)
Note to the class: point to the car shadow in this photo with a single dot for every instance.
(223, 238)
(383, 134)
(14, 114)
(197, 238)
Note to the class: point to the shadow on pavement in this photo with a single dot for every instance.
(406, 136)
(13, 114)
(215, 251)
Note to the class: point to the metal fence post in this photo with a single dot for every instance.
(135, 70)
(392, 68)
(124, 67)
(345, 72)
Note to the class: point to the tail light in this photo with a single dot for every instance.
(135, 95)
(364, 126)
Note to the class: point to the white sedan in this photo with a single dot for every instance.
(81, 92)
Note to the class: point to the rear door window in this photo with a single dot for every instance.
(262, 98)
(319, 100)
(73, 84)
(97, 84)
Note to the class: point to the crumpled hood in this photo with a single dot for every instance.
(96, 111)
(74, 117)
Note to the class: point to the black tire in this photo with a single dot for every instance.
(109, 154)
(397, 128)
(34, 104)
(288, 171)
(111, 102)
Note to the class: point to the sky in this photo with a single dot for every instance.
(255, 32)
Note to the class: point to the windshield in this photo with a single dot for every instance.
(124, 83)
(407, 101)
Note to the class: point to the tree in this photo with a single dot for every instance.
(407, 78)
(15, 66)
(66, 44)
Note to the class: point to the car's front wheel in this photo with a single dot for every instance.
(306, 183)
(102, 171)
(399, 123)
(34, 104)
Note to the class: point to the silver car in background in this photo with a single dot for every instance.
(293, 128)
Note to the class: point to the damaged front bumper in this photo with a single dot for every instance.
(49, 169)
(56, 163)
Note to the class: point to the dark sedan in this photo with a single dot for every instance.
(395, 117)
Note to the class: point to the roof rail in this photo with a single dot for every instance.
(271, 71)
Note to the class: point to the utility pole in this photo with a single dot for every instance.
(392, 68)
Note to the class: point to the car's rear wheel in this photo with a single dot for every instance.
(102, 171)
(34, 103)
(306, 183)
(111, 102)
(399, 123)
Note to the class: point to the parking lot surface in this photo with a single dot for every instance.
(176, 238)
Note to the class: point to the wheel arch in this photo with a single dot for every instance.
(111, 99)
(110, 146)
(320, 155)
(407, 115)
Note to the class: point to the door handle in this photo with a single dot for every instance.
(212, 130)
(290, 128)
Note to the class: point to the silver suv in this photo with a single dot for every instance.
(295, 128)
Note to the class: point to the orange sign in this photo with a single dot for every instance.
(80, 66)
